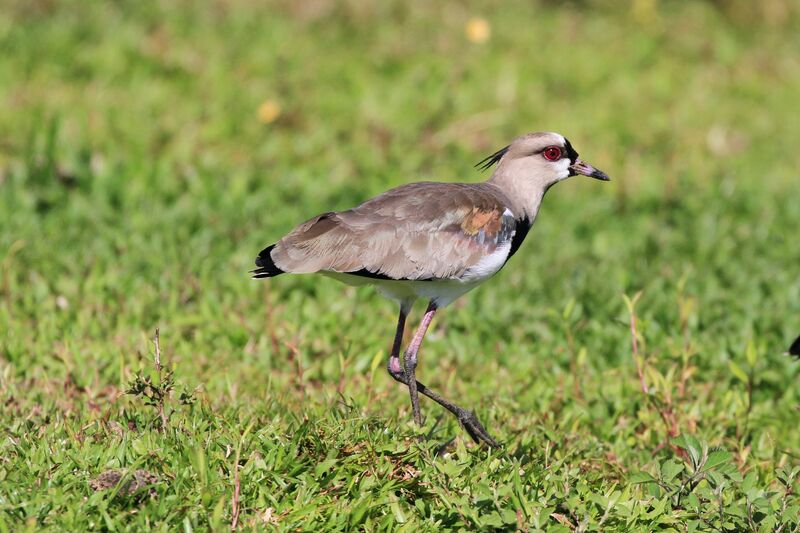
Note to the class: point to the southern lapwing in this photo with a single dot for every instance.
(435, 241)
(794, 349)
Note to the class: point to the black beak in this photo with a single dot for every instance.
(585, 169)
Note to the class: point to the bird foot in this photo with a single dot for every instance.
(466, 418)
(472, 425)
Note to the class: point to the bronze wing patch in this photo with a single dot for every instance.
(488, 227)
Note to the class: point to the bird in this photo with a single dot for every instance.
(794, 349)
(434, 241)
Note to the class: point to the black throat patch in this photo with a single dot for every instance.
(520, 232)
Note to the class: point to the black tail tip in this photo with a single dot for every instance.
(266, 266)
(794, 349)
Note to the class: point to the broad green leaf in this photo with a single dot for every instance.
(324, 466)
(670, 469)
(642, 477)
(751, 354)
(737, 371)
(717, 458)
(692, 446)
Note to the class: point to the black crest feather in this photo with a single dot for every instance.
(492, 159)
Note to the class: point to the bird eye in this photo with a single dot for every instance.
(552, 153)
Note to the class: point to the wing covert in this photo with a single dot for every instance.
(420, 231)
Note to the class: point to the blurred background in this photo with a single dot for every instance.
(149, 150)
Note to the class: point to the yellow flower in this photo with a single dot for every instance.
(478, 30)
(645, 11)
(269, 111)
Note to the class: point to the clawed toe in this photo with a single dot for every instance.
(406, 375)
(476, 430)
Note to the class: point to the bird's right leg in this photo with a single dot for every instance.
(410, 361)
(465, 417)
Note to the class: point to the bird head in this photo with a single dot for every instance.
(545, 157)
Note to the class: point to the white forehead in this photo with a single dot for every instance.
(542, 138)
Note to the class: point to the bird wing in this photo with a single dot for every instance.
(419, 231)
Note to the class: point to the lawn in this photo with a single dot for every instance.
(630, 357)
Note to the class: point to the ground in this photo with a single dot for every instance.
(630, 357)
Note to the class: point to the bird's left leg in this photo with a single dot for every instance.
(394, 367)
(410, 360)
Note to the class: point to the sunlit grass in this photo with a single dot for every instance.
(149, 151)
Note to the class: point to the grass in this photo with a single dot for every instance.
(149, 150)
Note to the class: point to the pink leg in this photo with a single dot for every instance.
(466, 418)
(410, 360)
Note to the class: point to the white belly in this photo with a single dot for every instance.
(443, 291)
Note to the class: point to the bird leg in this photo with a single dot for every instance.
(466, 418)
(394, 367)
(410, 360)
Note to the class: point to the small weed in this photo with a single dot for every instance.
(158, 393)
(707, 492)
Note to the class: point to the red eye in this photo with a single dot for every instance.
(552, 153)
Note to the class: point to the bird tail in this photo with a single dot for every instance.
(266, 266)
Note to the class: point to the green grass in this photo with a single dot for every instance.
(137, 183)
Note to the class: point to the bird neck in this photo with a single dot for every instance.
(525, 194)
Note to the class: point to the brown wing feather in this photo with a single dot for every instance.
(417, 231)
